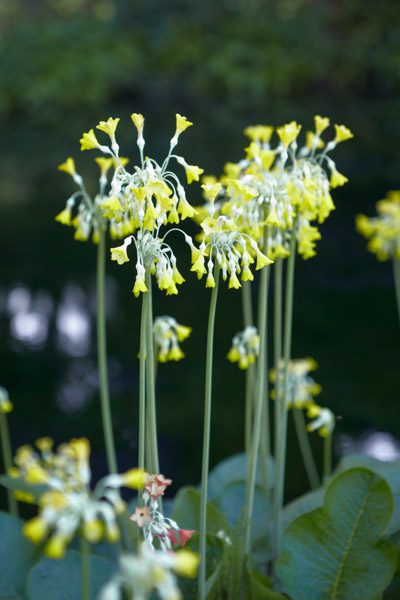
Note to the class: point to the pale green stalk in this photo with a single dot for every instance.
(396, 272)
(280, 459)
(206, 436)
(7, 458)
(102, 355)
(278, 273)
(143, 464)
(260, 405)
(305, 448)
(248, 321)
(327, 456)
(150, 380)
(85, 569)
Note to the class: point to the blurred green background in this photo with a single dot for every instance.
(65, 65)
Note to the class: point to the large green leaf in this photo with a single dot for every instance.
(336, 552)
(17, 555)
(186, 512)
(390, 471)
(61, 579)
(232, 470)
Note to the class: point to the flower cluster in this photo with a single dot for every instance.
(84, 212)
(155, 527)
(301, 386)
(383, 231)
(142, 200)
(226, 248)
(245, 347)
(67, 504)
(284, 188)
(150, 571)
(5, 402)
(167, 335)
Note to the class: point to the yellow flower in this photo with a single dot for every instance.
(192, 172)
(55, 547)
(182, 123)
(183, 332)
(138, 121)
(68, 167)
(93, 530)
(343, 133)
(134, 479)
(186, 563)
(109, 127)
(321, 123)
(44, 444)
(337, 179)
(185, 209)
(313, 141)
(80, 448)
(119, 254)
(139, 286)
(260, 133)
(234, 281)
(176, 353)
(64, 217)
(36, 475)
(111, 206)
(6, 406)
(89, 141)
(289, 132)
(54, 499)
(35, 530)
(211, 190)
(262, 260)
(210, 281)
(104, 163)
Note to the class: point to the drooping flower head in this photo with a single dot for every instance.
(245, 347)
(383, 231)
(143, 200)
(302, 388)
(323, 420)
(167, 335)
(67, 504)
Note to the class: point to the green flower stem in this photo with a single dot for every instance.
(396, 272)
(150, 380)
(280, 458)
(206, 436)
(305, 448)
(7, 458)
(142, 386)
(260, 405)
(278, 273)
(85, 569)
(327, 456)
(102, 355)
(248, 321)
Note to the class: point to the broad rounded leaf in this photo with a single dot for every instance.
(17, 555)
(61, 579)
(186, 512)
(336, 552)
(232, 470)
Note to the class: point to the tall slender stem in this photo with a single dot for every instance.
(7, 458)
(259, 404)
(150, 379)
(142, 386)
(206, 436)
(85, 569)
(102, 355)
(278, 273)
(248, 322)
(280, 459)
(327, 456)
(396, 272)
(305, 448)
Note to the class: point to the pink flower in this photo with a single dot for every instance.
(156, 485)
(185, 535)
(141, 516)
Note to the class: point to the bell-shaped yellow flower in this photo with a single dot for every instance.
(289, 132)
(343, 133)
(89, 141)
(68, 166)
(109, 127)
(182, 123)
(321, 123)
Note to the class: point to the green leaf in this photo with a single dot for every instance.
(61, 579)
(232, 470)
(336, 552)
(260, 587)
(17, 555)
(302, 505)
(390, 471)
(186, 512)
